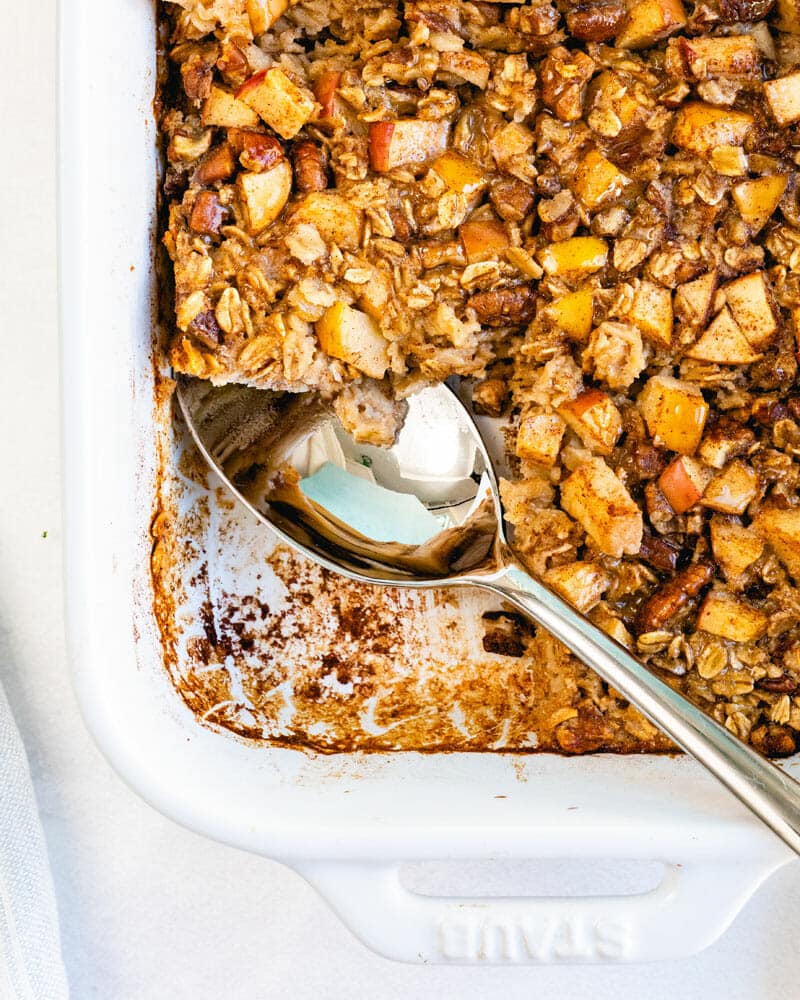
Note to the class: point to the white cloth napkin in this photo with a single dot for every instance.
(31, 967)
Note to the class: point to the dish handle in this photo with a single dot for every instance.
(691, 907)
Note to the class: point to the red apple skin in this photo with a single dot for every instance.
(678, 488)
(380, 139)
(250, 84)
(585, 401)
(325, 93)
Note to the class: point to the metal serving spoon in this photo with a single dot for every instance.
(427, 513)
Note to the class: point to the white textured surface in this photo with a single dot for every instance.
(149, 911)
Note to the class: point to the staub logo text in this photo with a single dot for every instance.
(478, 938)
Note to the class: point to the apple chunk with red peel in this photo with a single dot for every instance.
(223, 110)
(735, 547)
(264, 195)
(781, 530)
(325, 92)
(601, 504)
(728, 617)
(595, 419)
(278, 100)
(683, 483)
(354, 337)
(406, 142)
(732, 491)
(675, 413)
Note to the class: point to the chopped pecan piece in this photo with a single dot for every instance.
(217, 165)
(505, 306)
(490, 397)
(778, 685)
(309, 167)
(206, 328)
(565, 75)
(595, 22)
(257, 151)
(207, 214)
(660, 553)
(197, 73)
(674, 595)
(512, 199)
(744, 10)
(585, 733)
(774, 741)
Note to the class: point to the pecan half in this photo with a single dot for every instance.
(774, 741)
(595, 23)
(660, 553)
(668, 600)
(309, 167)
(504, 306)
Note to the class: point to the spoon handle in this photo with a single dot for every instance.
(764, 788)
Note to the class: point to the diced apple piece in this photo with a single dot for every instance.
(694, 299)
(723, 343)
(466, 65)
(459, 173)
(709, 56)
(735, 547)
(539, 437)
(336, 219)
(511, 145)
(648, 21)
(598, 500)
(264, 13)
(580, 583)
(222, 109)
(354, 337)
(597, 180)
(751, 307)
(732, 490)
(483, 239)
(404, 143)
(325, 93)
(675, 413)
(783, 97)
(573, 314)
(758, 199)
(730, 161)
(595, 419)
(264, 195)
(683, 482)
(729, 617)
(789, 16)
(701, 127)
(781, 529)
(581, 254)
(651, 311)
(283, 105)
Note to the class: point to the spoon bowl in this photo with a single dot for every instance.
(427, 512)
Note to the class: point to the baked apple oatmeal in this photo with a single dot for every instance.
(589, 209)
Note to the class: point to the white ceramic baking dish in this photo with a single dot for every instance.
(347, 823)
